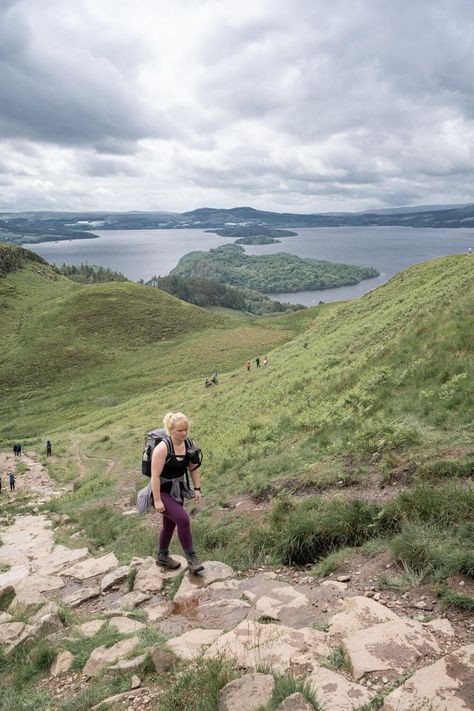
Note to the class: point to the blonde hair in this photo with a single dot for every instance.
(171, 419)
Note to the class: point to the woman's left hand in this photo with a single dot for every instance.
(197, 496)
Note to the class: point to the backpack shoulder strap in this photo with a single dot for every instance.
(169, 446)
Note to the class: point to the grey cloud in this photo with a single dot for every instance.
(66, 95)
(302, 103)
(101, 166)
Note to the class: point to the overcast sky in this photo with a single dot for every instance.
(296, 105)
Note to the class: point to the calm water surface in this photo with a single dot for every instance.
(141, 254)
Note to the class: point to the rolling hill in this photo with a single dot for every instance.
(353, 446)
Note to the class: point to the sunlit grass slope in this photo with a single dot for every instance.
(356, 395)
(388, 373)
(67, 348)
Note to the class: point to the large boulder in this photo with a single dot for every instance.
(102, 656)
(91, 567)
(193, 643)
(295, 702)
(358, 613)
(249, 693)
(335, 692)
(125, 625)
(446, 684)
(115, 577)
(62, 663)
(213, 570)
(397, 646)
(284, 649)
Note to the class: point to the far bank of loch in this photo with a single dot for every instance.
(141, 254)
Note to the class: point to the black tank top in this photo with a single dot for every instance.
(174, 468)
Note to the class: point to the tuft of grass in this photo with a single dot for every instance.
(448, 468)
(198, 687)
(173, 585)
(338, 659)
(6, 599)
(407, 579)
(330, 563)
(319, 528)
(131, 579)
(287, 685)
(436, 551)
(451, 598)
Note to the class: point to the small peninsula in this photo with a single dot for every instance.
(270, 273)
(253, 234)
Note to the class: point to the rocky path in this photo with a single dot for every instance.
(349, 647)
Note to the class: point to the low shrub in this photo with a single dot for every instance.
(445, 505)
(314, 531)
(446, 468)
(451, 598)
(434, 550)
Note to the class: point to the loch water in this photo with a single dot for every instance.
(141, 254)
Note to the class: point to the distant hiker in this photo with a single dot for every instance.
(18, 449)
(265, 360)
(169, 485)
(469, 251)
(214, 378)
(248, 365)
(257, 362)
(49, 448)
(11, 480)
(305, 344)
(15, 449)
(207, 383)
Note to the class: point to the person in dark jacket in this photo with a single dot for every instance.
(49, 448)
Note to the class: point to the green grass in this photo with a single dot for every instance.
(451, 598)
(338, 660)
(83, 348)
(198, 687)
(380, 395)
(377, 388)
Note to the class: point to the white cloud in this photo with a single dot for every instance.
(311, 105)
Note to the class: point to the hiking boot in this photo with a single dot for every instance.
(167, 561)
(194, 566)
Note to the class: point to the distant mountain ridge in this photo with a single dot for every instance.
(30, 227)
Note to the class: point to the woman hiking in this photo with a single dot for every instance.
(169, 465)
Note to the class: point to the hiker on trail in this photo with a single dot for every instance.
(11, 479)
(49, 448)
(265, 360)
(214, 378)
(15, 449)
(18, 449)
(257, 362)
(248, 365)
(169, 486)
(207, 383)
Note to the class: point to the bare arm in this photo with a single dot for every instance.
(196, 477)
(157, 463)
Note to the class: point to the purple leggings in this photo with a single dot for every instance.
(175, 515)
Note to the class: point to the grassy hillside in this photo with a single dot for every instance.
(68, 349)
(358, 431)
